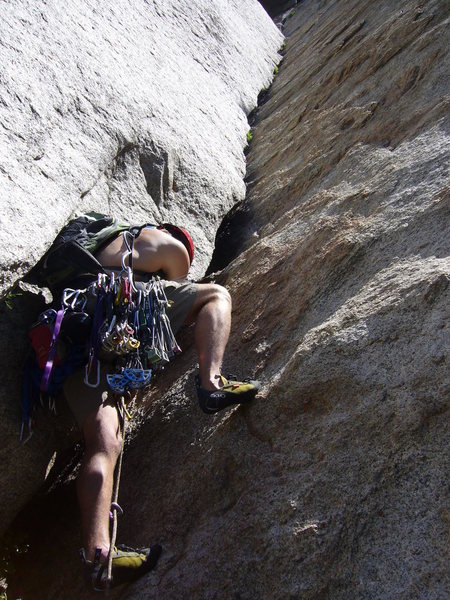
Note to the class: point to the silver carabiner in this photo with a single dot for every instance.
(86, 376)
(74, 299)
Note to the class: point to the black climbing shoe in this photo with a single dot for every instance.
(231, 392)
(127, 566)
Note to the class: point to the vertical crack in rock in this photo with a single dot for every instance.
(239, 228)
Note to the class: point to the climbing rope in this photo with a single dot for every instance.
(124, 415)
(136, 327)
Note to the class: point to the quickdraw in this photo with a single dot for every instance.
(130, 323)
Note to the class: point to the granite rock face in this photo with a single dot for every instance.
(137, 109)
(333, 484)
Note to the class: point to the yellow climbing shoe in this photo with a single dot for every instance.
(128, 565)
(231, 392)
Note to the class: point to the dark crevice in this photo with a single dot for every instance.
(276, 8)
(232, 237)
(22, 544)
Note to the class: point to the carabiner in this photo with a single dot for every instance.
(86, 375)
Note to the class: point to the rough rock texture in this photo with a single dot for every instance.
(134, 108)
(334, 483)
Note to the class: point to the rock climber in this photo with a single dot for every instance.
(168, 252)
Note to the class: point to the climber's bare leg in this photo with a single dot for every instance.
(211, 313)
(95, 480)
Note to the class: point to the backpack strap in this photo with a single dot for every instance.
(51, 355)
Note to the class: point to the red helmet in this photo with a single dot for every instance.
(183, 236)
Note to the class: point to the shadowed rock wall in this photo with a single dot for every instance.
(333, 484)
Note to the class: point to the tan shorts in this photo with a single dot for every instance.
(83, 400)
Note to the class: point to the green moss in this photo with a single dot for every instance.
(249, 136)
(9, 301)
